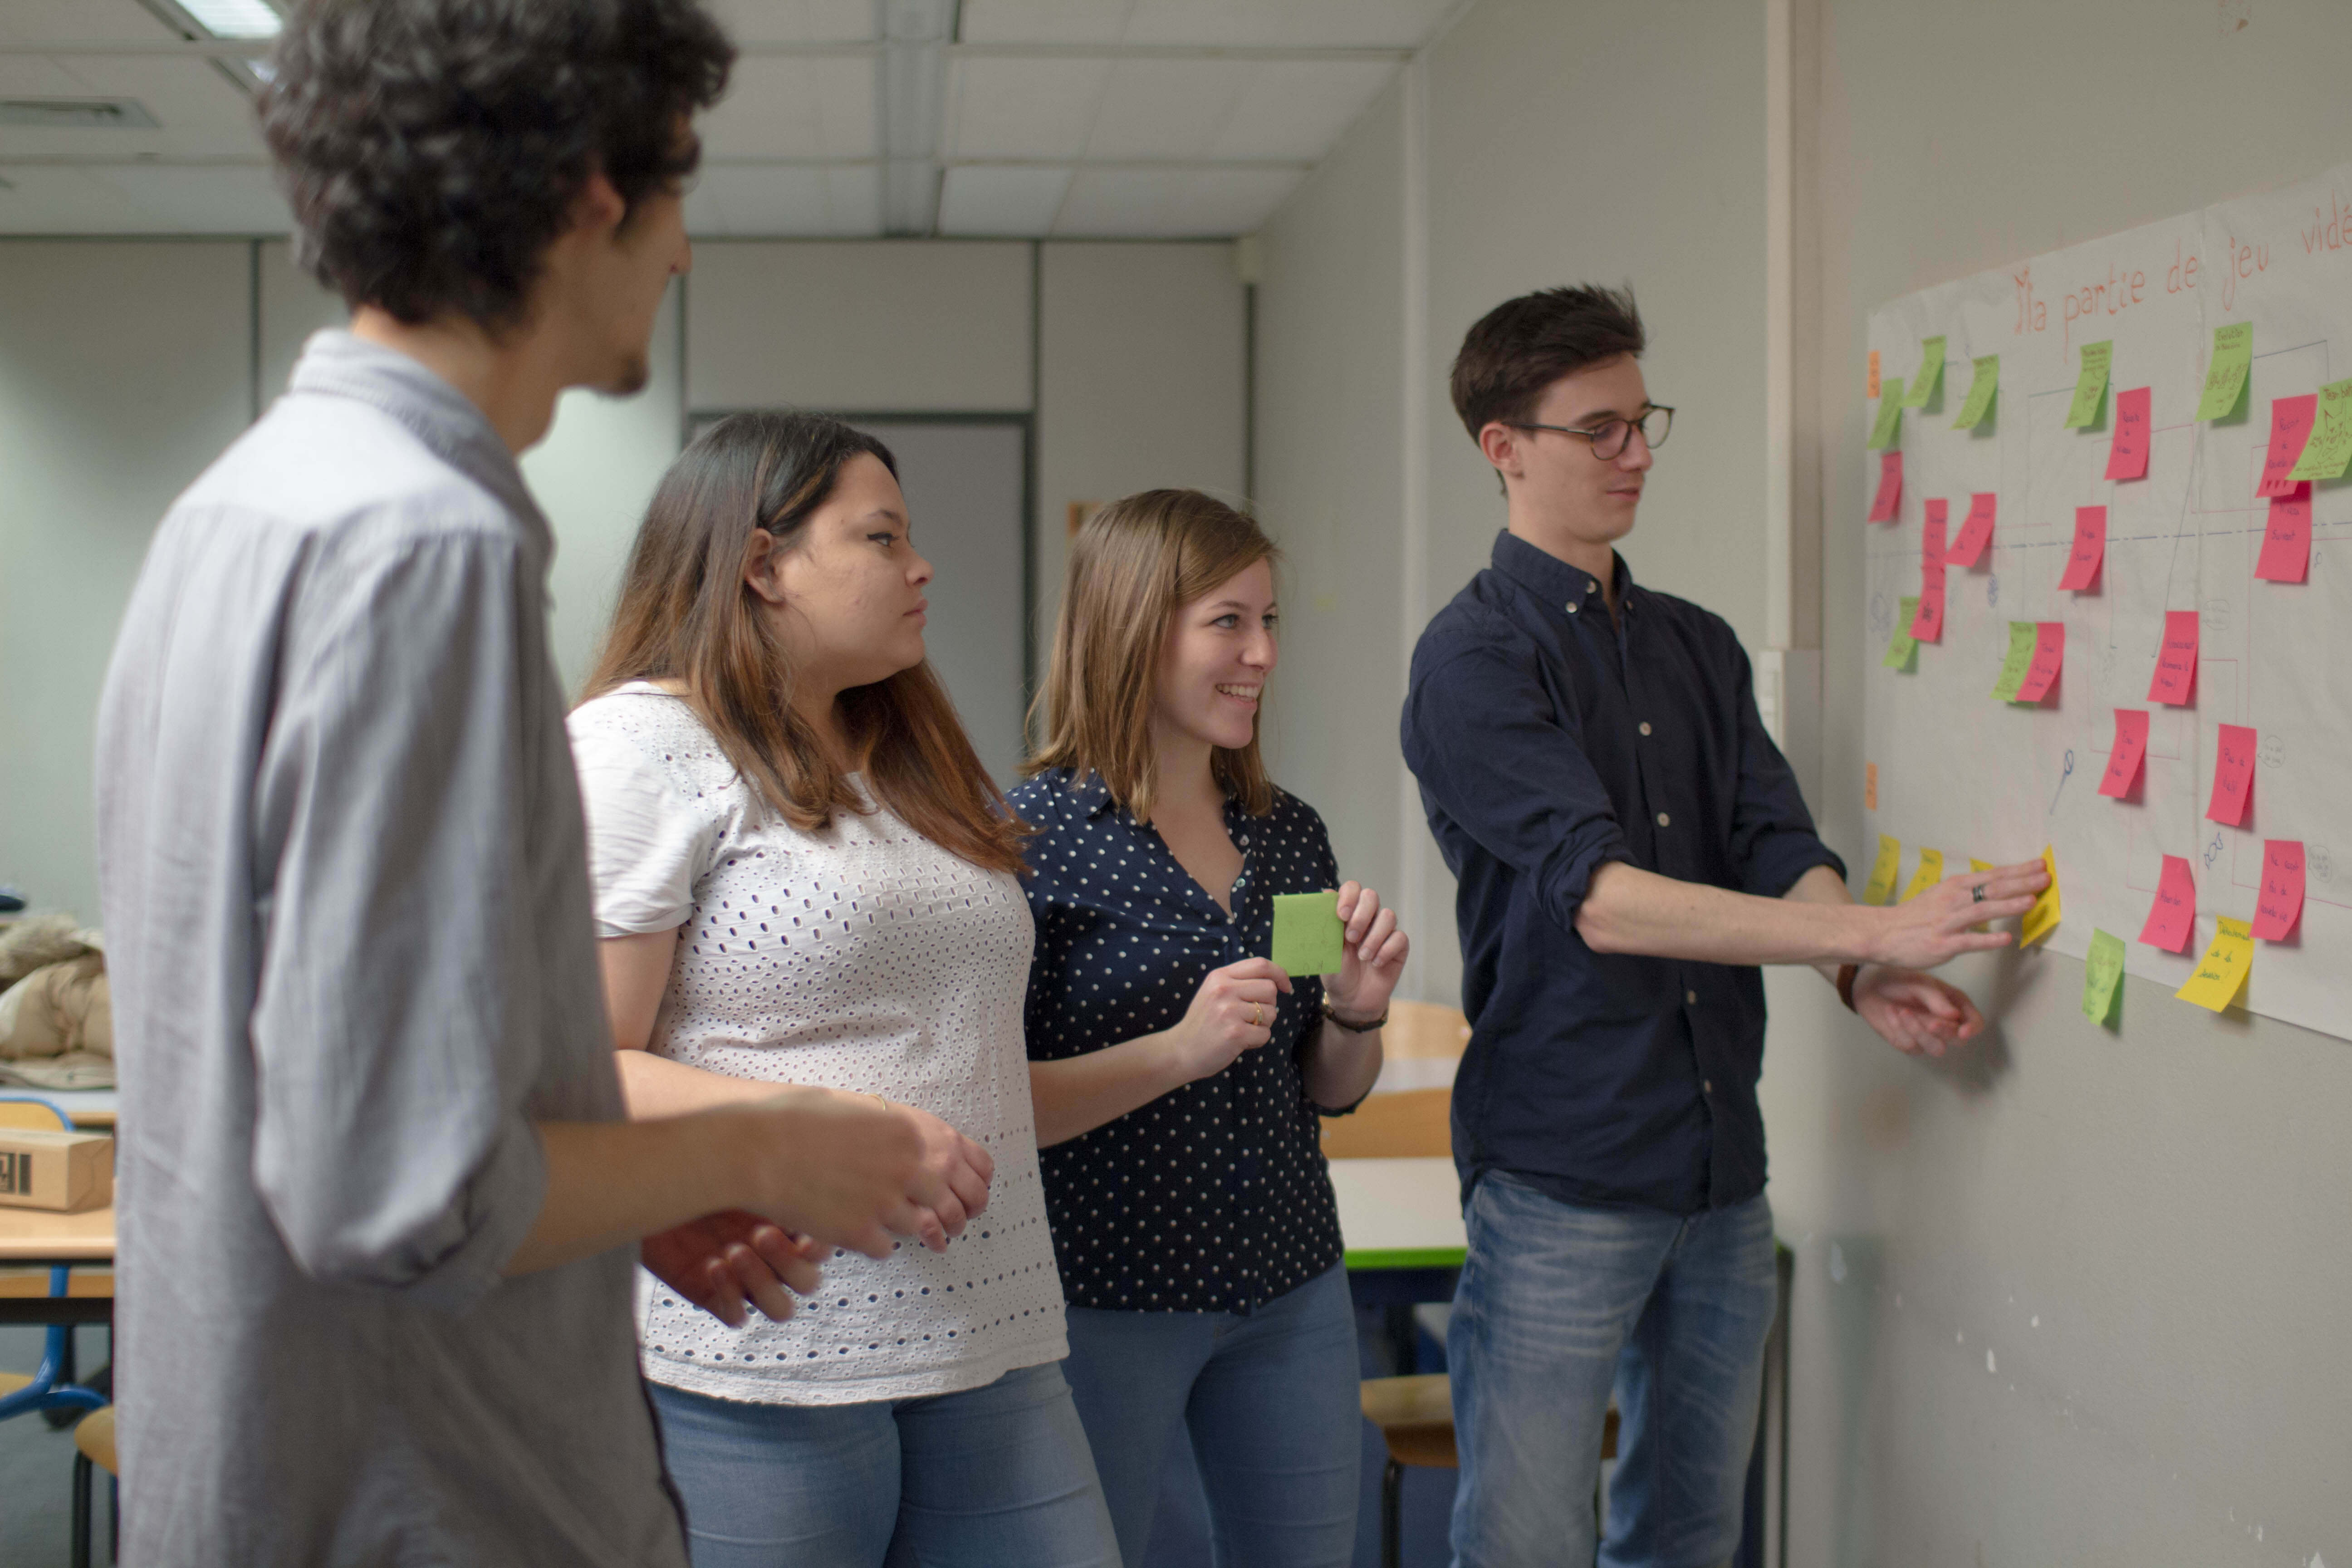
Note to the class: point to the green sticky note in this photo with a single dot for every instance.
(1308, 936)
(1981, 391)
(1890, 414)
(1902, 645)
(1931, 371)
(2090, 385)
(2330, 446)
(2103, 975)
(1880, 886)
(2020, 658)
(2225, 378)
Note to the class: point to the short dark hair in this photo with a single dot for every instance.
(1522, 345)
(432, 150)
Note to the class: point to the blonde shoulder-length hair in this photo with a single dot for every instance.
(1134, 564)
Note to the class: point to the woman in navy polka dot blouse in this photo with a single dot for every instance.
(1177, 1074)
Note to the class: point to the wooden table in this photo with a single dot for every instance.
(38, 1238)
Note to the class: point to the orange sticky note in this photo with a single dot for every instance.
(2291, 419)
(1890, 487)
(2176, 662)
(2128, 454)
(1928, 624)
(1874, 373)
(1976, 529)
(2286, 541)
(1870, 786)
(2130, 747)
(2174, 914)
(2090, 548)
(2049, 655)
(2234, 775)
(2281, 904)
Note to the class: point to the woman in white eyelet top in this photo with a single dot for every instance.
(861, 956)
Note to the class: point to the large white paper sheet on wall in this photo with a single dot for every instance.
(1962, 772)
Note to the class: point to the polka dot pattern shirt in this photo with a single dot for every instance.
(1215, 1198)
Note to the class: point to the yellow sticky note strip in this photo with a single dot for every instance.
(2090, 385)
(2225, 373)
(1889, 428)
(2221, 973)
(1902, 645)
(2042, 918)
(1931, 371)
(1930, 873)
(1977, 865)
(2021, 635)
(1880, 886)
(1981, 391)
(2103, 975)
(2329, 450)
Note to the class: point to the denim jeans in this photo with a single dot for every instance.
(1269, 1402)
(1558, 1302)
(996, 1477)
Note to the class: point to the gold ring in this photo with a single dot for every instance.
(1257, 1018)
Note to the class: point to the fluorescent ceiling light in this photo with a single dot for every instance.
(234, 18)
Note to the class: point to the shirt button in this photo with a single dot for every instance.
(1572, 609)
(1691, 997)
(1664, 821)
(1708, 1085)
(1645, 727)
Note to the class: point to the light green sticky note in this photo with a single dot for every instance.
(1902, 646)
(2225, 378)
(1308, 936)
(2090, 385)
(2103, 975)
(2020, 659)
(1981, 391)
(1931, 371)
(1890, 414)
(1880, 886)
(2329, 449)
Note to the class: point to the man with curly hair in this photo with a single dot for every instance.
(377, 1189)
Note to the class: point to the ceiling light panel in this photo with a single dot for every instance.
(234, 18)
(796, 21)
(1132, 204)
(1023, 109)
(794, 108)
(1018, 204)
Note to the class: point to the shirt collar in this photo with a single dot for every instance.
(337, 363)
(1551, 578)
(1093, 797)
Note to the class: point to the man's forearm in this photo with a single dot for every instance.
(1629, 910)
(1822, 885)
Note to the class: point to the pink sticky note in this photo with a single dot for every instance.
(2090, 548)
(2174, 914)
(1976, 531)
(1928, 624)
(2281, 904)
(2128, 454)
(2176, 663)
(1890, 487)
(2286, 541)
(2049, 655)
(2291, 420)
(2234, 775)
(2131, 745)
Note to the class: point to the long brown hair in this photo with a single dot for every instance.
(1134, 564)
(687, 616)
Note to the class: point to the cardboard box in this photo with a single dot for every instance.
(63, 1171)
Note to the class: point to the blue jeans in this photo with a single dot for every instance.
(1269, 1402)
(1557, 1303)
(996, 1477)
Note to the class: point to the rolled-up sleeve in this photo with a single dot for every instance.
(394, 1031)
(1491, 751)
(1772, 837)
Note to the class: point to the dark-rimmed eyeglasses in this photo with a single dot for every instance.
(1608, 436)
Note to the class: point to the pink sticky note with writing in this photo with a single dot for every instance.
(2234, 775)
(1976, 529)
(1890, 487)
(2090, 548)
(2176, 662)
(2174, 914)
(2281, 904)
(2128, 454)
(2291, 419)
(2131, 745)
(2049, 655)
(1928, 624)
(2286, 538)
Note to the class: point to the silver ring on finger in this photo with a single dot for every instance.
(1976, 894)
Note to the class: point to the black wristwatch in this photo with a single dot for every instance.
(1354, 1028)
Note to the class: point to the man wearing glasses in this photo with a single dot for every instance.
(1629, 845)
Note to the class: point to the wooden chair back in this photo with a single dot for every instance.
(22, 1111)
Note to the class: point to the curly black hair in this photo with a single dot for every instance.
(432, 150)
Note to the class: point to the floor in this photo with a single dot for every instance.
(37, 1465)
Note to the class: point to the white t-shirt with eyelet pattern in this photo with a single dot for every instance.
(863, 957)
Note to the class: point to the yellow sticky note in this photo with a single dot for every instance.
(1880, 886)
(1977, 865)
(1931, 371)
(2042, 918)
(1981, 391)
(1888, 431)
(2225, 374)
(2090, 385)
(1930, 873)
(2221, 973)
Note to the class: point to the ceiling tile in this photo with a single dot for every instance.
(794, 109)
(1019, 203)
(1327, 24)
(1047, 21)
(1166, 109)
(1297, 111)
(1022, 109)
(65, 201)
(1172, 203)
(795, 21)
(198, 112)
(80, 21)
(785, 202)
(201, 201)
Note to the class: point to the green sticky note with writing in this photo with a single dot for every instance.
(2020, 659)
(2090, 385)
(2225, 377)
(1931, 371)
(2325, 454)
(2103, 975)
(1308, 936)
(1981, 391)
(1890, 414)
(1902, 646)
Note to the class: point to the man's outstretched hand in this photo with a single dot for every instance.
(1914, 1012)
(722, 1260)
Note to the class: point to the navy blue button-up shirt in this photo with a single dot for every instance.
(1548, 740)
(1215, 1198)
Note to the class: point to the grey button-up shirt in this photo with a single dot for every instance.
(348, 923)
